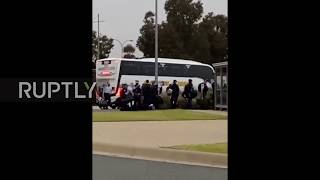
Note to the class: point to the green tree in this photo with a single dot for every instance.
(216, 29)
(186, 34)
(105, 43)
(129, 50)
(175, 35)
(146, 41)
(170, 45)
(201, 46)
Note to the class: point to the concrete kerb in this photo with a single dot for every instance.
(160, 154)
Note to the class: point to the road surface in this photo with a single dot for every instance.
(116, 168)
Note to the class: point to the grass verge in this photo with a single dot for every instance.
(158, 115)
(210, 148)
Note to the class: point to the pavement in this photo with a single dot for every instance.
(160, 133)
(143, 140)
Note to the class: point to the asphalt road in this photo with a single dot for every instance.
(116, 168)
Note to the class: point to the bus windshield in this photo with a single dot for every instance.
(107, 72)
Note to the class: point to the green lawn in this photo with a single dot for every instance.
(211, 148)
(158, 115)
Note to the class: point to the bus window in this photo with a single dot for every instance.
(203, 72)
(130, 68)
(147, 68)
(178, 70)
(162, 69)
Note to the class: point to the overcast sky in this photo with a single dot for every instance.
(123, 18)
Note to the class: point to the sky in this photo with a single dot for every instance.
(124, 18)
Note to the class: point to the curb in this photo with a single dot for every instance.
(159, 154)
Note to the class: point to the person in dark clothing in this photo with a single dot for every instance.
(213, 93)
(160, 88)
(174, 93)
(189, 93)
(154, 95)
(203, 89)
(137, 91)
(147, 94)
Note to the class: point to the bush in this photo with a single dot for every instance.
(203, 103)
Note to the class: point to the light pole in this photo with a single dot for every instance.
(156, 44)
(121, 44)
(98, 38)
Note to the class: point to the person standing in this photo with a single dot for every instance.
(160, 88)
(126, 97)
(130, 89)
(129, 95)
(203, 89)
(213, 83)
(174, 92)
(147, 94)
(189, 93)
(154, 95)
(137, 95)
(107, 91)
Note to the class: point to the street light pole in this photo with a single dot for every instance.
(98, 38)
(156, 44)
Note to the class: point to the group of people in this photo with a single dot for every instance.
(188, 93)
(138, 97)
(147, 96)
(132, 96)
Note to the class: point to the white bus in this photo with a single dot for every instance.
(118, 71)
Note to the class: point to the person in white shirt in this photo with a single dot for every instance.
(107, 91)
(130, 89)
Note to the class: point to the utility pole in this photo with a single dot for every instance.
(98, 36)
(156, 44)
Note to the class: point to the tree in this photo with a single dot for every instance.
(186, 34)
(129, 50)
(175, 34)
(129, 56)
(170, 45)
(216, 29)
(105, 44)
(146, 41)
(183, 12)
(201, 46)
